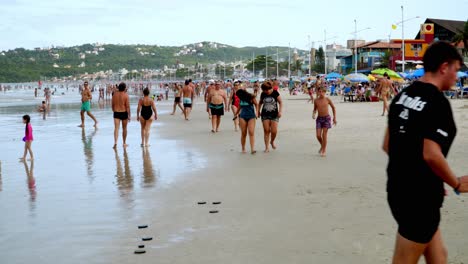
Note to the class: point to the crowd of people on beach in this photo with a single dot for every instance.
(418, 137)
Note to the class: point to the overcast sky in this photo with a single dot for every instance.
(40, 23)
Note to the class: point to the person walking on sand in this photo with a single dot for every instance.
(187, 94)
(177, 94)
(323, 121)
(234, 103)
(270, 114)
(86, 97)
(215, 103)
(420, 131)
(146, 108)
(385, 86)
(28, 138)
(247, 113)
(121, 109)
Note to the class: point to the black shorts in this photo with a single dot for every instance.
(121, 115)
(417, 221)
(177, 100)
(217, 110)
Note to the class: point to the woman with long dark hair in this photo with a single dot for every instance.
(247, 114)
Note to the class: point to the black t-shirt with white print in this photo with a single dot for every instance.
(270, 104)
(418, 112)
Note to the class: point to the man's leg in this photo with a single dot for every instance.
(124, 132)
(324, 141)
(116, 130)
(213, 123)
(407, 251)
(218, 122)
(436, 252)
(319, 138)
(82, 118)
(92, 117)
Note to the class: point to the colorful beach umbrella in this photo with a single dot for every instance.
(389, 72)
(356, 77)
(333, 76)
(417, 73)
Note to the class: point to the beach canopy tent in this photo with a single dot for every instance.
(389, 72)
(417, 73)
(356, 78)
(333, 76)
(461, 74)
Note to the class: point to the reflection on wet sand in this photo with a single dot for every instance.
(31, 183)
(149, 174)
(88, 151)
(124, 176)
(0, 175)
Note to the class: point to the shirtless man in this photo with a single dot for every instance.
(187, 94)
(177, 94)
(86, 97)
(323, 122)
(121, 109)
(385, 87)
(215, 103)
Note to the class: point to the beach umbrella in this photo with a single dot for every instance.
(356, 77)
(461, 74)
(333, 76)
(371, 77)
(417, 73)
(389, 72)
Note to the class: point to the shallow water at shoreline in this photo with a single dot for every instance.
(78, 190)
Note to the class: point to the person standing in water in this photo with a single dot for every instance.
(270, 114)
(121, 109)
(28, 138)
(147, 107)
(86, 97)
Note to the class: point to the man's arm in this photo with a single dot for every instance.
(208, 101)
(315, 109)
(385, 141)
(333, 110)
(433, 156)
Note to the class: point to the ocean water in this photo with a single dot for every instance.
(78, 191)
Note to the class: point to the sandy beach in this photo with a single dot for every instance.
(84, 201)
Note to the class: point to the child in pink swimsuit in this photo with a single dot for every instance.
(28, 137)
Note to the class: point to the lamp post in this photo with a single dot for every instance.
(355, 46)
(402, 22)
(266, 64)
(310, 58)
(289, 60)
(277, 66)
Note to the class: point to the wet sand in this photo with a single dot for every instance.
(287, 206)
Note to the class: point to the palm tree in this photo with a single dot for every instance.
(462, 36)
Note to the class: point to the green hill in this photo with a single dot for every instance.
(21, 65)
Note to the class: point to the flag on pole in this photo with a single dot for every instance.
(394, 26)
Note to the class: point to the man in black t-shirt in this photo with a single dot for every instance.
(420, 132)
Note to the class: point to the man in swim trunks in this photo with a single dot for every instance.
(86, 97)
(323, 122)
(215, 103)
(187, 98)
(420, 131)
(177, 93)
(121, 109)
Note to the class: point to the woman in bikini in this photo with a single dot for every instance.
(234, 103)
(247, 113)
(145, 110)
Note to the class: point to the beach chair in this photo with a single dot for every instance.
(463, 92)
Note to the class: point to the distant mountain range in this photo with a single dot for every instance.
(21, 65)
